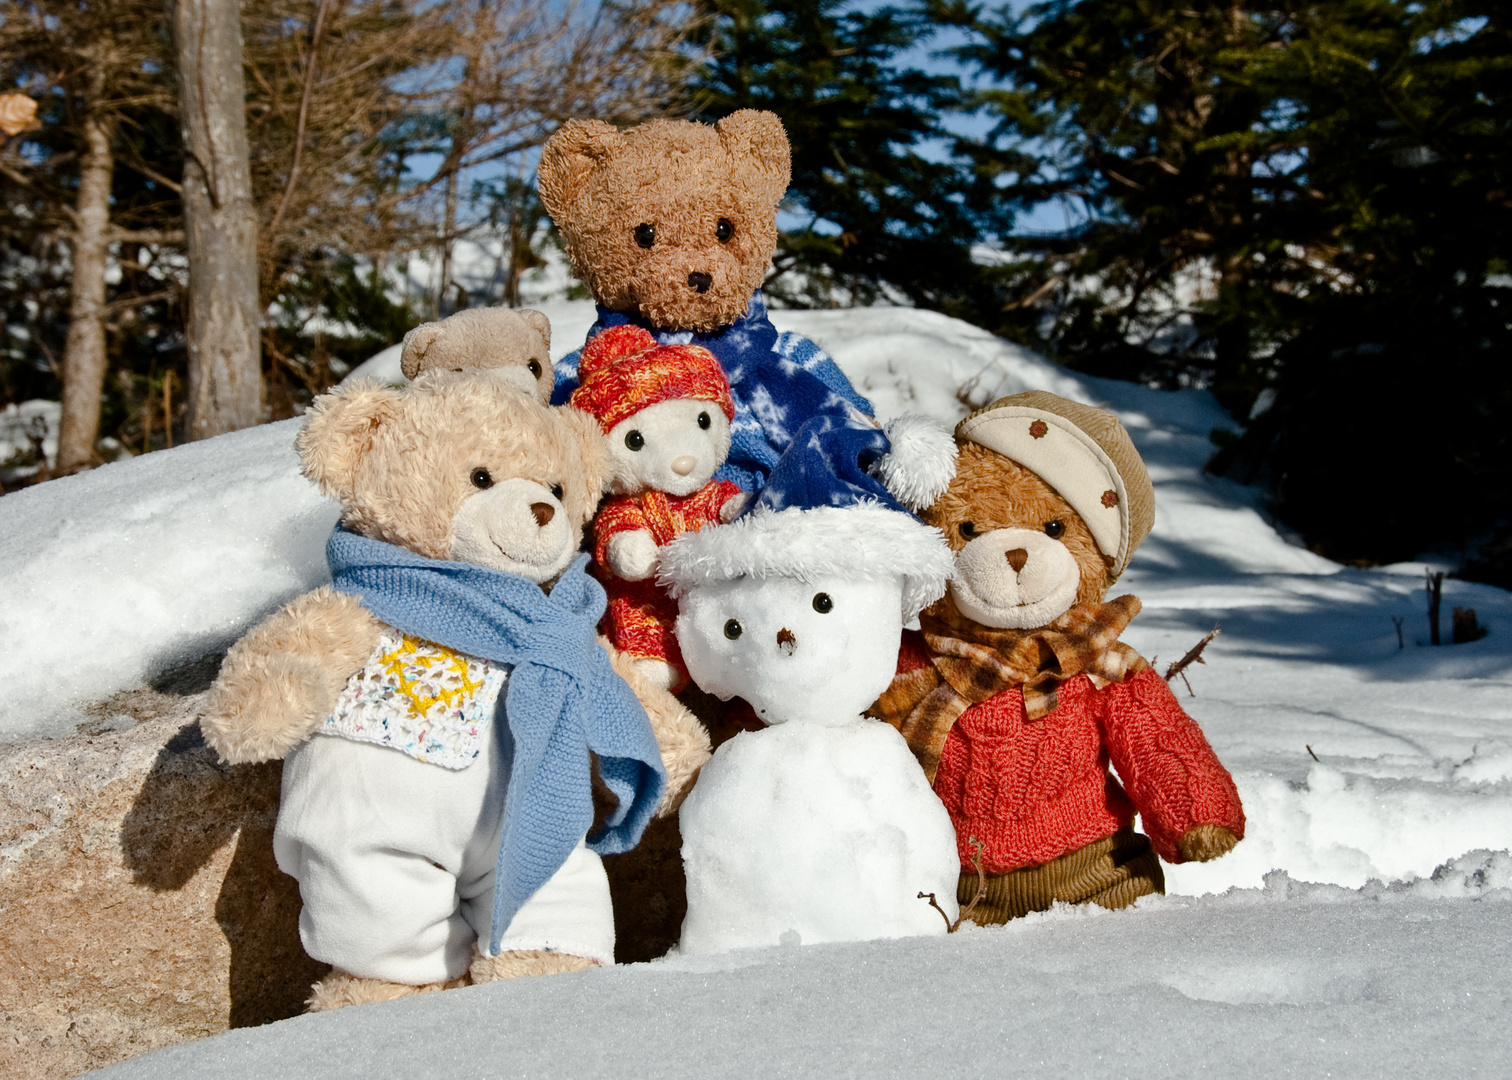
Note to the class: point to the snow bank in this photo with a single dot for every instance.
(1289, 979)
(116, 576)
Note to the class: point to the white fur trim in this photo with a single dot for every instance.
(921, 463)
(865, 541)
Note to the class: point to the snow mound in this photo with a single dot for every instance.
(114, 577)
(1284, 980)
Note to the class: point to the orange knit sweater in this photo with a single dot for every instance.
(640, 616)
(1032, 791)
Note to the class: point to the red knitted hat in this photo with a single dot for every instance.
(623, 370)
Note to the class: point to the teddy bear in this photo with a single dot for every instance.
(819, 826)
(672, 226)
(445, 710)
(512, 345)
(1016, 694)
(665, 412)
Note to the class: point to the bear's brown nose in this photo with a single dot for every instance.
(786, 641)
(1016, 558)
(543, 512)
(700, 281)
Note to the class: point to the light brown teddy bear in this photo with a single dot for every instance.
(422, 837)
(512, 345)
(1018, 695)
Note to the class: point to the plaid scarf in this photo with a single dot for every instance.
(970, 663)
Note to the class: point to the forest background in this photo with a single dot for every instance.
(1299, 207)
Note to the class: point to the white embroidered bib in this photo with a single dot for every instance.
(422, 699)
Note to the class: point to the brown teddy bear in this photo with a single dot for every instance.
(431, 849)
(513, 345)
(1017, 694)
(672, 226)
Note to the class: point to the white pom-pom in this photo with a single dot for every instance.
(921, 463)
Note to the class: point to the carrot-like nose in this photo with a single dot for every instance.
(543, 512)
(786, 641)
(682, 466)
(1016, 558)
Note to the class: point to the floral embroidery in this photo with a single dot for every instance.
(421, 699)
(1110, 498)
(1039, 429)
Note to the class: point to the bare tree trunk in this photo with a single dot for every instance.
(84, 359)
(220, 220)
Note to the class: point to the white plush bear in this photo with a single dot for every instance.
(665, 412)
(820, 827)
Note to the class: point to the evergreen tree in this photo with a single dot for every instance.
(880, 207)
(1303, 207)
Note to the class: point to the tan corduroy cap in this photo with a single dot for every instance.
(1082, 452)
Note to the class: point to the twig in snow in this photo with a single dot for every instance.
(1435, 594)
(1194, 655)
(1397, 621)
(976, 861)
(1314, 756)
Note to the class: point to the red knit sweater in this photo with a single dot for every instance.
(1032, 791)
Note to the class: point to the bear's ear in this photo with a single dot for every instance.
(757, 137)
(338, 431)
(416, 343)
(570, 155)
(588, 445)
(539, 323)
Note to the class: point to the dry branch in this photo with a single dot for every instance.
(1193, 656)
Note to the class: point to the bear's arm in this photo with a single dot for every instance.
(682, 739)
(1185, 797)
(283, 678)
(618, 514)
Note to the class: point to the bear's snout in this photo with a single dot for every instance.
(700, 282)
(787, 641)
(543, 512)
(1016, 559)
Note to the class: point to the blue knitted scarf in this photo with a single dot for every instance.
(562, 699)
(779, 383)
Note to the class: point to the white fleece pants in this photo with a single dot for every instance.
(395, 862)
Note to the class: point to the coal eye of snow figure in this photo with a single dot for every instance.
(821, 826)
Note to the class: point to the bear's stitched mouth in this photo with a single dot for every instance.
(535, 559)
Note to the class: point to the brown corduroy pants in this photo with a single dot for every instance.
(1112, 872)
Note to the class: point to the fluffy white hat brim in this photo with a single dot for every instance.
(865, 541)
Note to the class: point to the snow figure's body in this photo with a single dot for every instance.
(820, 827)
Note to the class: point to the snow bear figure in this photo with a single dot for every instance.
(819, 827)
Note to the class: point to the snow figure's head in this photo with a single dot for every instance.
(800, 611)
(665, 410)
(1049, 500)
(460, 467)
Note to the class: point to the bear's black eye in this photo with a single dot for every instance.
(481, 478)
(823, 604)
(645, 235)
(635, 440)
(968, 529)
(704, 421)
(733, 629)
(723, 230)
(1054, 529)
(556, 492)
(534, 367)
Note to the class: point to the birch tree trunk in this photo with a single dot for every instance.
(220, 220)
(84, 359)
